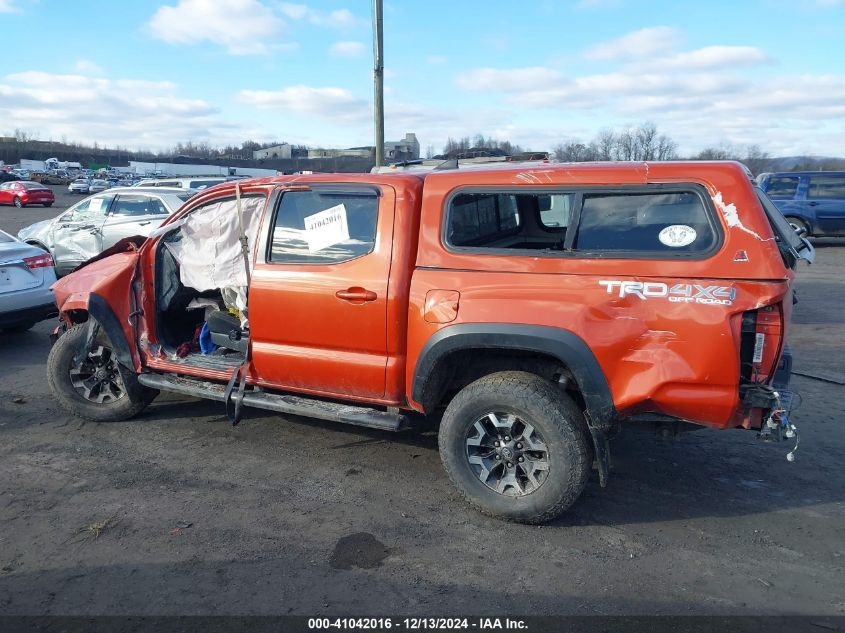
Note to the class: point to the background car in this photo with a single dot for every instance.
(26, 192)
(7, 176)
(98, 185)
(26, 274)
(99, 221)
(188, 182)
(812, 201)
(80, 185)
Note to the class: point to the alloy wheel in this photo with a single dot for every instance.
(507, 454)
(97, 378)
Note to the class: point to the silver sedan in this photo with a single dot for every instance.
(26, 274)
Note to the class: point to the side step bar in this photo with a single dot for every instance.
(292, 405)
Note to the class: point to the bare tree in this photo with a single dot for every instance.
(605, 144)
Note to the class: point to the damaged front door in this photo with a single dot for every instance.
(78, 235)
(318, 299)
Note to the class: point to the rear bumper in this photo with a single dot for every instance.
(31, 314)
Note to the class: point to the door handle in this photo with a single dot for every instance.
(356, 295)
(813, 204)
(144, 223)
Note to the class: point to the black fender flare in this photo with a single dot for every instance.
(100, 312)
(562, 344)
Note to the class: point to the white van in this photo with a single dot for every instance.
(183, 182)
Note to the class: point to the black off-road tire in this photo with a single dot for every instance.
(553, 414)
(135, 398)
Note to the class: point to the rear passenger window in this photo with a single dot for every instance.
(648, 223)
(827, 187)
(134, 204)
(324, 227)
(482, 218)
(782, 187)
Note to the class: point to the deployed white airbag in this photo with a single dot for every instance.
(209, 253)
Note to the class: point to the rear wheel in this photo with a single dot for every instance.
(48, 204)
(516, 447)
(19, 203)
(800, 227)
(95, 388)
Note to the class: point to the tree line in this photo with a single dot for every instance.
(642, 142)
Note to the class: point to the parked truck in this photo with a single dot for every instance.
(530, 312)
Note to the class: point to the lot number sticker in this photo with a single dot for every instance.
(677, 235)
(326, 228)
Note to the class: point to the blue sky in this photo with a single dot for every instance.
(153, 72)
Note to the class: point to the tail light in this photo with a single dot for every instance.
(38, 261)
(762, 340)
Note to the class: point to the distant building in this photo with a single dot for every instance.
(277, 151)
(406, 149)
(354, 152)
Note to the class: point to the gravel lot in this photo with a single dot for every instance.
(177, 512)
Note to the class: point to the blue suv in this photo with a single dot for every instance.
(812, 201)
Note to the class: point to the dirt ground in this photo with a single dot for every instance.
(177, 512)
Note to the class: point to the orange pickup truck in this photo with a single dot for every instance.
(531, 312)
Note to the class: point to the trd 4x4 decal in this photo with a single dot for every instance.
(678, 293)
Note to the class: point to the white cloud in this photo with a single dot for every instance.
(88, 67)
(637, 44)
(243, 27)
(715, 57)
(335, 104)
(339, 18)
(347, 49)
(128, 112)
(700, 97)
(8, 6)
(509, 79)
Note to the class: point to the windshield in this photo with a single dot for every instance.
(4, 238)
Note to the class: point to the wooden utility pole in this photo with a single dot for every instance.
(378, 78)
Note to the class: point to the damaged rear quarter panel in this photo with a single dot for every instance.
(659, 353)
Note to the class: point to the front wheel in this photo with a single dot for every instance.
(95, 388)
(516, 447)
(19, 203)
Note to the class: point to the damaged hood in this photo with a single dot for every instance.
(37, 231)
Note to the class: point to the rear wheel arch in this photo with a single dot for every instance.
(553, 349)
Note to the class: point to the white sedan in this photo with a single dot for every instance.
(80, 185)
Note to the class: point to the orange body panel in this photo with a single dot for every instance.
(671, 357)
